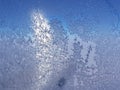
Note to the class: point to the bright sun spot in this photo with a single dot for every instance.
(41, 27)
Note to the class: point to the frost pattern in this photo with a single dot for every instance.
(49, 57)
(58, 52)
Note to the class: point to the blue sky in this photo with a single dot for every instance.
(100, 14)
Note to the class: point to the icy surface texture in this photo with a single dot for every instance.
(48, 58)
(52, 56)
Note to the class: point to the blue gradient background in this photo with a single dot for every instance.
(104, 14)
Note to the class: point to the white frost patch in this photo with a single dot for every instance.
(87, 53)
(91, 59)
(43, 46)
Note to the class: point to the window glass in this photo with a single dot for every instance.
(59, 45)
